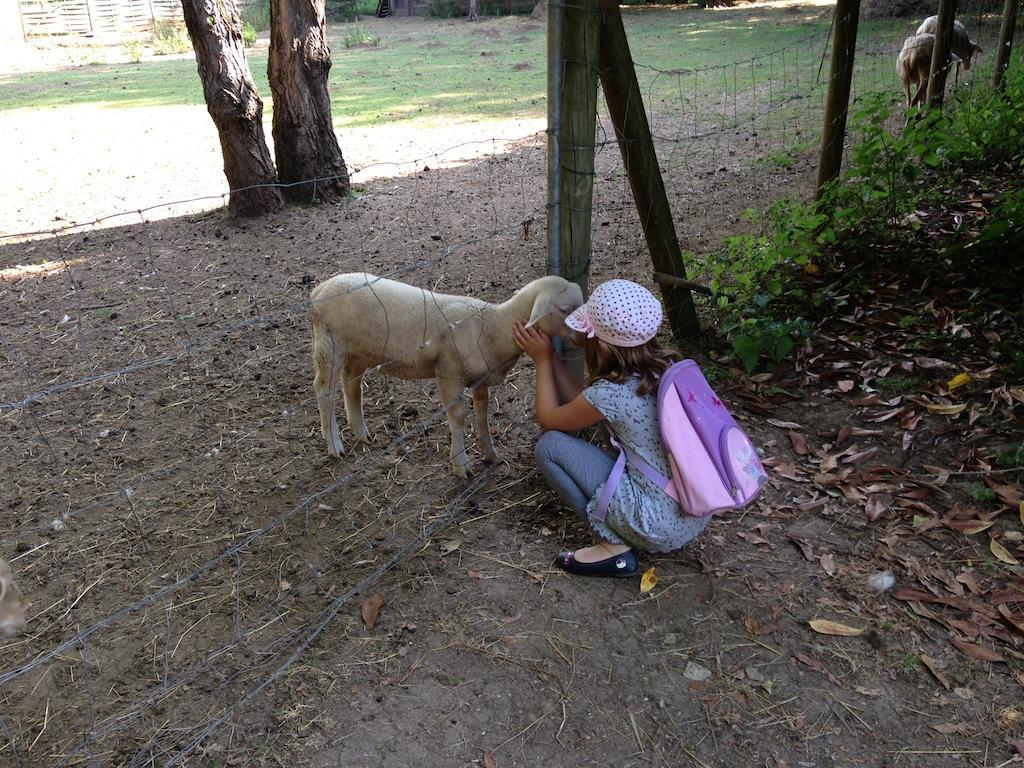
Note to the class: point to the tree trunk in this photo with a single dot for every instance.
(216, 31)
(474, 10)
(308, 156)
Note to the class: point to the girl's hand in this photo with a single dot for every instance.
(533, 341)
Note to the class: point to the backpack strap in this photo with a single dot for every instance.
(625, 454)
(665, 483)
(601, 510)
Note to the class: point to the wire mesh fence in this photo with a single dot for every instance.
(169, 508)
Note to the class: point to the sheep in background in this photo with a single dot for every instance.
(361, 321)
(960, 44)
(12, 603)
(914, 65)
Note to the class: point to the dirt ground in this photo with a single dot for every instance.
(202, 576)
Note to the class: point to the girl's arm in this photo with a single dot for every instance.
(574, 415)
(568, 386)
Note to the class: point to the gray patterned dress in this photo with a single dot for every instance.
(640, 514)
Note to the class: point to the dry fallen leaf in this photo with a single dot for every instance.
(979, 652)
(818, 666)
(931, 363)
(1017, 622)
(875, 507)
(1021, 511)
(449, 546)
(949, 729)
(370, 610)
(828, 563)
(799, 443)
(969, 527)
(489, 761)
(755, 627)
(860, 456)
(958, 381)
(1009, 493)
(784, 424)
(805, 547)
(826, 627)
(933, 667)
(945, 410)
(1002, 553)
(649, 580)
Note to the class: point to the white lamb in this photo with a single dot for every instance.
(12, 603)
(914, 65)
(361, 321)
(961, 44)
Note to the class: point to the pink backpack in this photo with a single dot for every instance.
(715, 467)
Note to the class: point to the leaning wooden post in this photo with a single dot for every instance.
(622, 93)
(1005, 41)
(581, 28)
(833, 135)
(940, 53)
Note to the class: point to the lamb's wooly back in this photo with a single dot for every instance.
(380, 320)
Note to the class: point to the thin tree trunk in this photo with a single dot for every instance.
(231, 98)
(474, 10)
(304, 139)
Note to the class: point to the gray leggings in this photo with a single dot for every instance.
(573, 467)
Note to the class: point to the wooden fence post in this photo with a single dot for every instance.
(554, 203)
(625, 105)
(581, 29)
(1005, 41)
(833, 135)
(940, 53)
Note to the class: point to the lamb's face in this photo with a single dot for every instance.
(560, 306)
(966, 55)
(554, 300)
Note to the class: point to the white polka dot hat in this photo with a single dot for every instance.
(620, 312)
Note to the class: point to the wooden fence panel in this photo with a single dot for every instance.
(95, 18)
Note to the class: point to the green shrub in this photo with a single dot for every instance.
(359, 36)
(133, 51)
(756, 278)
(981, 492)
(170, 37)
(756, 339)
(248, 34)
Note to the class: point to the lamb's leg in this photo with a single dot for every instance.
(481, 396)
(326, 368)
(354, 402)
(450, 391)
(922, 92)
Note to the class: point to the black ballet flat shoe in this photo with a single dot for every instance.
(619, 565)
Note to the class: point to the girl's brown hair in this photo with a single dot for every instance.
(618, 364)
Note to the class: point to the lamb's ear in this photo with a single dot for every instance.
(541, 306)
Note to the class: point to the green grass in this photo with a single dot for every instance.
(439, 70)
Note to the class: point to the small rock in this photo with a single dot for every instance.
(882, 581)
(696, 672)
